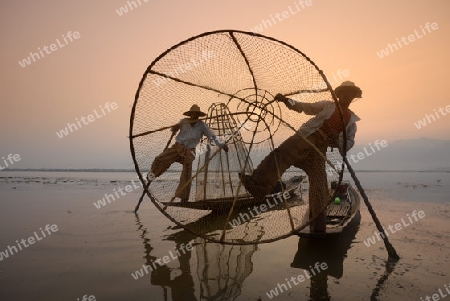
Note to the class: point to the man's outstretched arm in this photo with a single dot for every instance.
(290, 103)
(302, 107)
(212, 137)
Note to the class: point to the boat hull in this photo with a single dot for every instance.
(337, 219)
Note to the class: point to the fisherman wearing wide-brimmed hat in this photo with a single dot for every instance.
(183, 150)
(323, 130)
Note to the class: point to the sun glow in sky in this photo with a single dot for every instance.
(91, 56)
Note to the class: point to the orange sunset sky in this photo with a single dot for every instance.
(106, 62)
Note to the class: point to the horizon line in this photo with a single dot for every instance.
(440, 169)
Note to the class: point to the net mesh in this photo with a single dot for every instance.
(218, 179)
(233, 76)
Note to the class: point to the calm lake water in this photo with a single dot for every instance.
(101, 252)
(410, 186)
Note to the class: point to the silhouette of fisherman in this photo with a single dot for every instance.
(183, 150)
(323, 130)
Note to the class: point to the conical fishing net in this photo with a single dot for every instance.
(233, 77)
(218, 175)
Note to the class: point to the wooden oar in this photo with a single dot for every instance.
(148, 184)
(390, 249)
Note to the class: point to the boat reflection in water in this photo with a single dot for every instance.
(332, 250)
(219, 270)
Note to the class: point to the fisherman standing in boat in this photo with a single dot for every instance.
(183, 151)
(323, 130)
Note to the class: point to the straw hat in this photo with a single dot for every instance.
(348, 85)
(194, 109)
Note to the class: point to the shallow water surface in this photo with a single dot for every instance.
(113, 254)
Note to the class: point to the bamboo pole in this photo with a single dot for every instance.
(148, 184)
(390, 249)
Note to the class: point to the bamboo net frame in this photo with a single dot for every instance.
(244, 74)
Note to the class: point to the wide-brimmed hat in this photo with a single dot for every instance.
(348, 85)
(194, 109)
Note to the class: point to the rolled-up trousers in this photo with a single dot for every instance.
(183, 155)
(295, 151)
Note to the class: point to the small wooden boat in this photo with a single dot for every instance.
(338, 215)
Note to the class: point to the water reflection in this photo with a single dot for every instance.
(160, 275)
(389, 268)
(332, 250)
(219, 270)
(212, 271)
